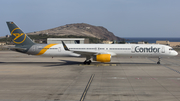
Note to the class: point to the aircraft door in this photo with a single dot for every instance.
(59, 49)
(163, 49)
(132, 49)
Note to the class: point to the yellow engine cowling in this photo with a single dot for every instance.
(102, 57)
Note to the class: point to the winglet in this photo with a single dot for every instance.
(65, 47)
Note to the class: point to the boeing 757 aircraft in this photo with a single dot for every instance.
(98, 52)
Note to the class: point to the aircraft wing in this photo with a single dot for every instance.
(87, 52)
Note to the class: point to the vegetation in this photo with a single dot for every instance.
(6, 39)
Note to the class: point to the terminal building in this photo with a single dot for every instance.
(68, 40)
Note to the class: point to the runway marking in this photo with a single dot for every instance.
(139, 78)
(87, 87)
(124, 78)
(121, 78)
(167, 66)
(174, 78)
(175, 82)
(172, 69)
(153, 78)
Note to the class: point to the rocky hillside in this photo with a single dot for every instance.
(80, 29)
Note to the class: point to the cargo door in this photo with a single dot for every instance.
(162, 49)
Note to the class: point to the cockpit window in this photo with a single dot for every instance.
(171, 49)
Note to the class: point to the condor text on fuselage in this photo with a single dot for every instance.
(146, 49)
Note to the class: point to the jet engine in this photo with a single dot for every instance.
(102, 57)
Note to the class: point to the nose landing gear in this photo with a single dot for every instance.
(159, 60)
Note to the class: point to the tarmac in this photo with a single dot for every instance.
(33, 78)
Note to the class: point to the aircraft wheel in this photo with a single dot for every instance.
(158, 62)
(87, 62)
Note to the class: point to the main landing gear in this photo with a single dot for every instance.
(159, 60)
(87, 61)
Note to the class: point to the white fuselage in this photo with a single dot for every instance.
(147, 50)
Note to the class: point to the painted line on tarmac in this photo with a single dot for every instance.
(172, 69)
(167, 67)
(87, 87)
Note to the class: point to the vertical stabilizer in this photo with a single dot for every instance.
(18, 36)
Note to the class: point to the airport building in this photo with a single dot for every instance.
(172, 44)
(68, 40)
(2, 43)
(107, 42)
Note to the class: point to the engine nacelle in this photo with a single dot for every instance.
(102, 57)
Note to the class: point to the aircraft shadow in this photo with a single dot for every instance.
(46, 64)
(28, 62)
(67, 62)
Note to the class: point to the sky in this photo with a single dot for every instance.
(124, 18)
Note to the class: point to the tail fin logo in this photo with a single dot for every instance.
(18, 37)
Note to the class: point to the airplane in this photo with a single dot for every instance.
(96, 52)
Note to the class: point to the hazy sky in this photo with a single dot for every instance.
(125, 18)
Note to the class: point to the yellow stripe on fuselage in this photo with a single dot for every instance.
(45, 49)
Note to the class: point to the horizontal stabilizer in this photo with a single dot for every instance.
(14, 48)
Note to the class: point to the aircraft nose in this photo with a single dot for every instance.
(175, 53)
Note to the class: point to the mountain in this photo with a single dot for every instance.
(80, 29)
